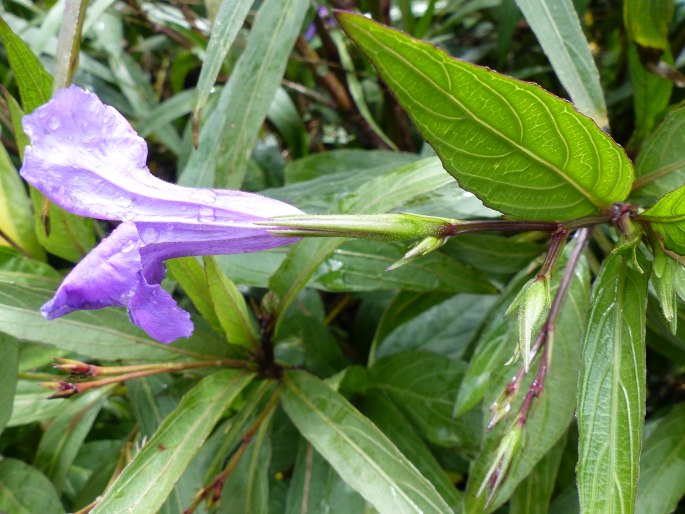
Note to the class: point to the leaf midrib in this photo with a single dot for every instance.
(522, 149)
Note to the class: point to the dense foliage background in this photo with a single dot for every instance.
(390, 376)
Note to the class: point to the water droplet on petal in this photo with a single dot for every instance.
(149, 235)
(123, 201)
(127, 216)
(184, 207)
(203, 196)
(128, 246)
(206, 215)
(53, 124)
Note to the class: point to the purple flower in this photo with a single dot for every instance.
(86, 158)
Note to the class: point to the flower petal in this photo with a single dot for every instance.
(155, 311)
(86, 158)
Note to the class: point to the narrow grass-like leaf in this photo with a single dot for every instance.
(9, 353)
(229, 133)
(25, 490)
(611, 396)
(146, 482)
(228, 21)
(520, 149)
(647, 21)
(16, 217)
(361, 454)
(230, 307)
(558, 30)
(660, 165)
(65, 435)
(667, 217)
(69, 42)
(662, 467)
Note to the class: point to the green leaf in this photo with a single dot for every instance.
(145, 483)
(225, 26)
(533, 495)
(362, 266)
(554, 409)
(361, 454)
(557, 27)
(491, 253)
(16, 217)
(651, 94)
(25, 490)
(390, 420)
(667, 217)
(230, 307)
(611, 396)
(662, 466)
(520, 149)
(424, 385)
(9, 352)
(191, 276)
(647, 21)
(660, 165)
(228, 135)
(35, 84)
(62, 440)
(316, 487)
(69, 42)
(102, 334)
(31, 404)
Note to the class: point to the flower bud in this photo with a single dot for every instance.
(533, 304)
(506, 452)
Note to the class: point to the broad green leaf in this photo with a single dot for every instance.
(667, 217)
(102, 334)
(419, 325)
(660, 165)
(533, 495)
(647, 21)
(152, 399)
(69, 42)
(9, 352)
(35, 84)
(651, 94)
(553, 411)
(16, 217)
(392, 422)
(191, 276)
(25, 490)
(230, 131)
(557, 27)
(378, 195)
(491, 253)
(62, 440)
(316, 487)
(520, 149)
(662, 467)
(611, 396)
(92, 470)
(361, 454)
(285, 117)
(423, 385)
(362, 266)
(230, 307)
(225, 26)
(147, 480)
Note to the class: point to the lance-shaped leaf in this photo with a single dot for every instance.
(361, 454)
(647, 21)
(518, 148)
(667, 217)
(611, 404)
